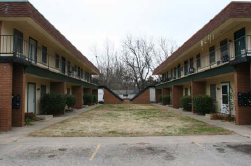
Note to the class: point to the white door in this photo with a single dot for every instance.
(225, 98)
(101, 95)
(31, 98)
(152, 95)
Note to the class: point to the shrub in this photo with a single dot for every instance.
(70, 100)
(203, 104)
(88, 99)
(94, 99)
(54, 103)
(166, 100)
(160, 98)
(186, 102)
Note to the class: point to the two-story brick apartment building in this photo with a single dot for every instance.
(215, 61)
(35, 59)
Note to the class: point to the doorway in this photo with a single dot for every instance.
(31, 98)
(225, 107)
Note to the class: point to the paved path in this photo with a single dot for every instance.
(217, 150)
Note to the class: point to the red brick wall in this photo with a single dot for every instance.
(158, 93)
(177, 95)
(87, 91)
(95, 92)
(5, 96)
(198, 88)
(143, 98)
(77, 91)
(166, 91)
(58, 87)
(109, 98)
(18, 88)
(242, 84)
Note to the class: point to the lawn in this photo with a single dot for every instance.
(128, 120)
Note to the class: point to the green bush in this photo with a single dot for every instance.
(94, 99)
(186, 102)
(70, 100)
(54, 103)
(166, 100)
(203, 104)
(160, 98)
(88, 99)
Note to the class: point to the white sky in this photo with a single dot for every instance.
(90, 22)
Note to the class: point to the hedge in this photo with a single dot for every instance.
(88, 99)
(203, 104)
(94, 99)
(70, 100)
(53, 103)
(166, 100)
(186, 102)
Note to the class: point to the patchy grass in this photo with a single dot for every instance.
(128, 120)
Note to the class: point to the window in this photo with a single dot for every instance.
(63, 65)
(57, 61)
(174, 72)
(179, 71)
(212, 55)
(213, 91)
(171, 73)
(32, 50)
(186, 91)
(191, 62)
(68, 91)
(198, 61)
(167, 75)
(79, 74)
(240, 43)
(44, 54)
(43, 91)
(69, 67)
(18, 42)
(75, 70)
(186, 67)
(224, 50)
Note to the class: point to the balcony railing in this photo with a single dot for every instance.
(28, 50)
(238, 49)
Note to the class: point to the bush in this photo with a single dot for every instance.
(160, 98)
(186, 102)
(166, 100)
(70, 100)
(203, 104)
(94, 99)
(88, 99)
(54, 103)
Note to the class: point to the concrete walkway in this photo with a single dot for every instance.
(244, 130)
(18, 133)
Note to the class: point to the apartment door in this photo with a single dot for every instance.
(32, 50)
(225, 98)
(239, 43)
(152, 95)
(31, 106)
(18, 42)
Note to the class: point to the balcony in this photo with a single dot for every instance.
(234, 52)
(38, 56)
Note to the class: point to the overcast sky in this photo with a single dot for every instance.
(90, 22)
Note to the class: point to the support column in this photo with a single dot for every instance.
(77, 91)
(6, 70)
(242, 85)
(177, 94)
(198, 88)
(158, 92)
(18, 85)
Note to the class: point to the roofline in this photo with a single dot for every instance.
(26, 9)
(232, 10)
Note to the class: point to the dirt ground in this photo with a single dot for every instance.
(128, 121)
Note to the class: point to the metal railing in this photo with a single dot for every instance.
(239, 48)
(11, 45)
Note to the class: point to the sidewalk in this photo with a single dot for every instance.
(244, 130)
(18, 133)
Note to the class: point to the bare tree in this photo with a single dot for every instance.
(137, 55)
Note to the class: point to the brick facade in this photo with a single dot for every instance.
(242, 84)
(87, 91)
(58, 87)
(95, 92)
(6, 70)
(109, 98)
(177, 94)
(18, 88)
(166, 91)
(143, 98)
(77, 91)
(158, 94)
(197, 88)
